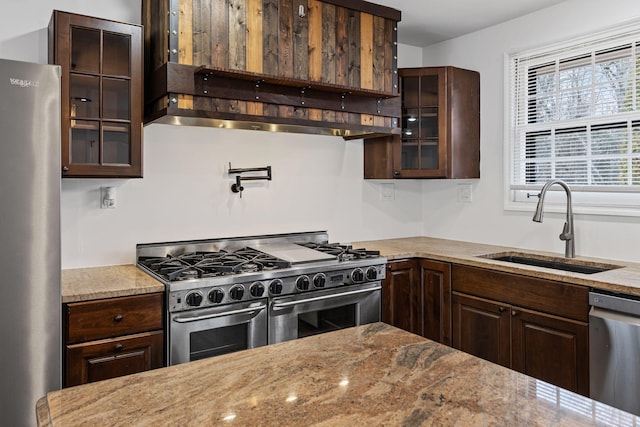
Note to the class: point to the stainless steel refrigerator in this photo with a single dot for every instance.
(30, 314)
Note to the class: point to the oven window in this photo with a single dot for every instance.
(217, 341)
(332, 319)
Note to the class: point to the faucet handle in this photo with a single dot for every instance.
(566, 234)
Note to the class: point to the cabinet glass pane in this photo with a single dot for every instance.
(85, 50)
(410, 155)
(429, 122)
(429, 155)
(85, 141)
(115, 98)
(85, 96)
(117, 55)
(410, 122)
(429, 90)
(116, 143)
(410, 91)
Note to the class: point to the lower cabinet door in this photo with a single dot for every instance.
(114, 357)
(481, 327)
(436, 300)
(401, 304)
(552, 349)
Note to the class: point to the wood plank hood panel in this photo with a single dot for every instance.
(308, 66)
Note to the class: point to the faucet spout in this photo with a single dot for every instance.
(567, 235)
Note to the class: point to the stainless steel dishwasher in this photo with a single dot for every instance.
(614, 350)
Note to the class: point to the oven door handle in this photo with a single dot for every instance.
(280, 305)
(215, 315)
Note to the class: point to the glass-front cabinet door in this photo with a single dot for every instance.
(421, 151)
(101, 65)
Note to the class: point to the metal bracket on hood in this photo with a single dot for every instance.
(237, 186)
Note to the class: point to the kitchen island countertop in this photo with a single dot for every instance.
(371, 375)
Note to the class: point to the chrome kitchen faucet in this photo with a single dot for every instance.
(567, 232)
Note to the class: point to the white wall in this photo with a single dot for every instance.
(185, 193)
(484, 220)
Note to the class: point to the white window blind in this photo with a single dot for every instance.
(574, 114)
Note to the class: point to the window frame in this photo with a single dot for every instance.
(593, 200)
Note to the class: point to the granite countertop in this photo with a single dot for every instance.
(625, 279)
(369, 375)
(84, 284)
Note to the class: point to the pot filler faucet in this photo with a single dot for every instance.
(567, 232)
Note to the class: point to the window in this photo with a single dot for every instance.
(574, 114)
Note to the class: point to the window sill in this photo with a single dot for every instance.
(578, 208)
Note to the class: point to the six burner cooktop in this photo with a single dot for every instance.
(201, 264)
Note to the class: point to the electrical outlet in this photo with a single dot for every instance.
(387, 191)
(108, 197)
(465, 193)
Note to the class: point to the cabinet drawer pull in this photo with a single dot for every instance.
(118, 347)
(118, 318)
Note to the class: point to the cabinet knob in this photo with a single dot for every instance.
(118, 318)
(501, 309)
(65, 168)
(396, 173)
(118, 347)
(514, 312)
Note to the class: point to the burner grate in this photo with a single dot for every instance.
(343, 252)
(198, 265)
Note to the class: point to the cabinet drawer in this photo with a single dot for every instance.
(108, 318)
(115, 357)
(560, 299)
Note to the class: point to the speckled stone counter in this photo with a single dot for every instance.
(83, 284)
(122, 280)
(369, 375)
(626, 279)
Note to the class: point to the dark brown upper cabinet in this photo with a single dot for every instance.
(307, 66)
(440, 124)
(101, 63)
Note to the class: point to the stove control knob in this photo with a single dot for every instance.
(357, 275)
(275, 287)
(237, 292)
(216, 296)
(319, 280)
(302, 283)
(257, 289)
(372, 273)
(193, 299)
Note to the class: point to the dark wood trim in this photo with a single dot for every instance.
(180, 79)
(117, 27)
(367, 7)
(210, 71)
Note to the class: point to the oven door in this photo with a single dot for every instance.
(301, 315)
(213, 331)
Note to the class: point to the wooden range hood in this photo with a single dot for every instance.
(307, 66)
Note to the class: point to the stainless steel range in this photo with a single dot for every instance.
(225, 295)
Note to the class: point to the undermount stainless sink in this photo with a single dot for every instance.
(584, 267)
